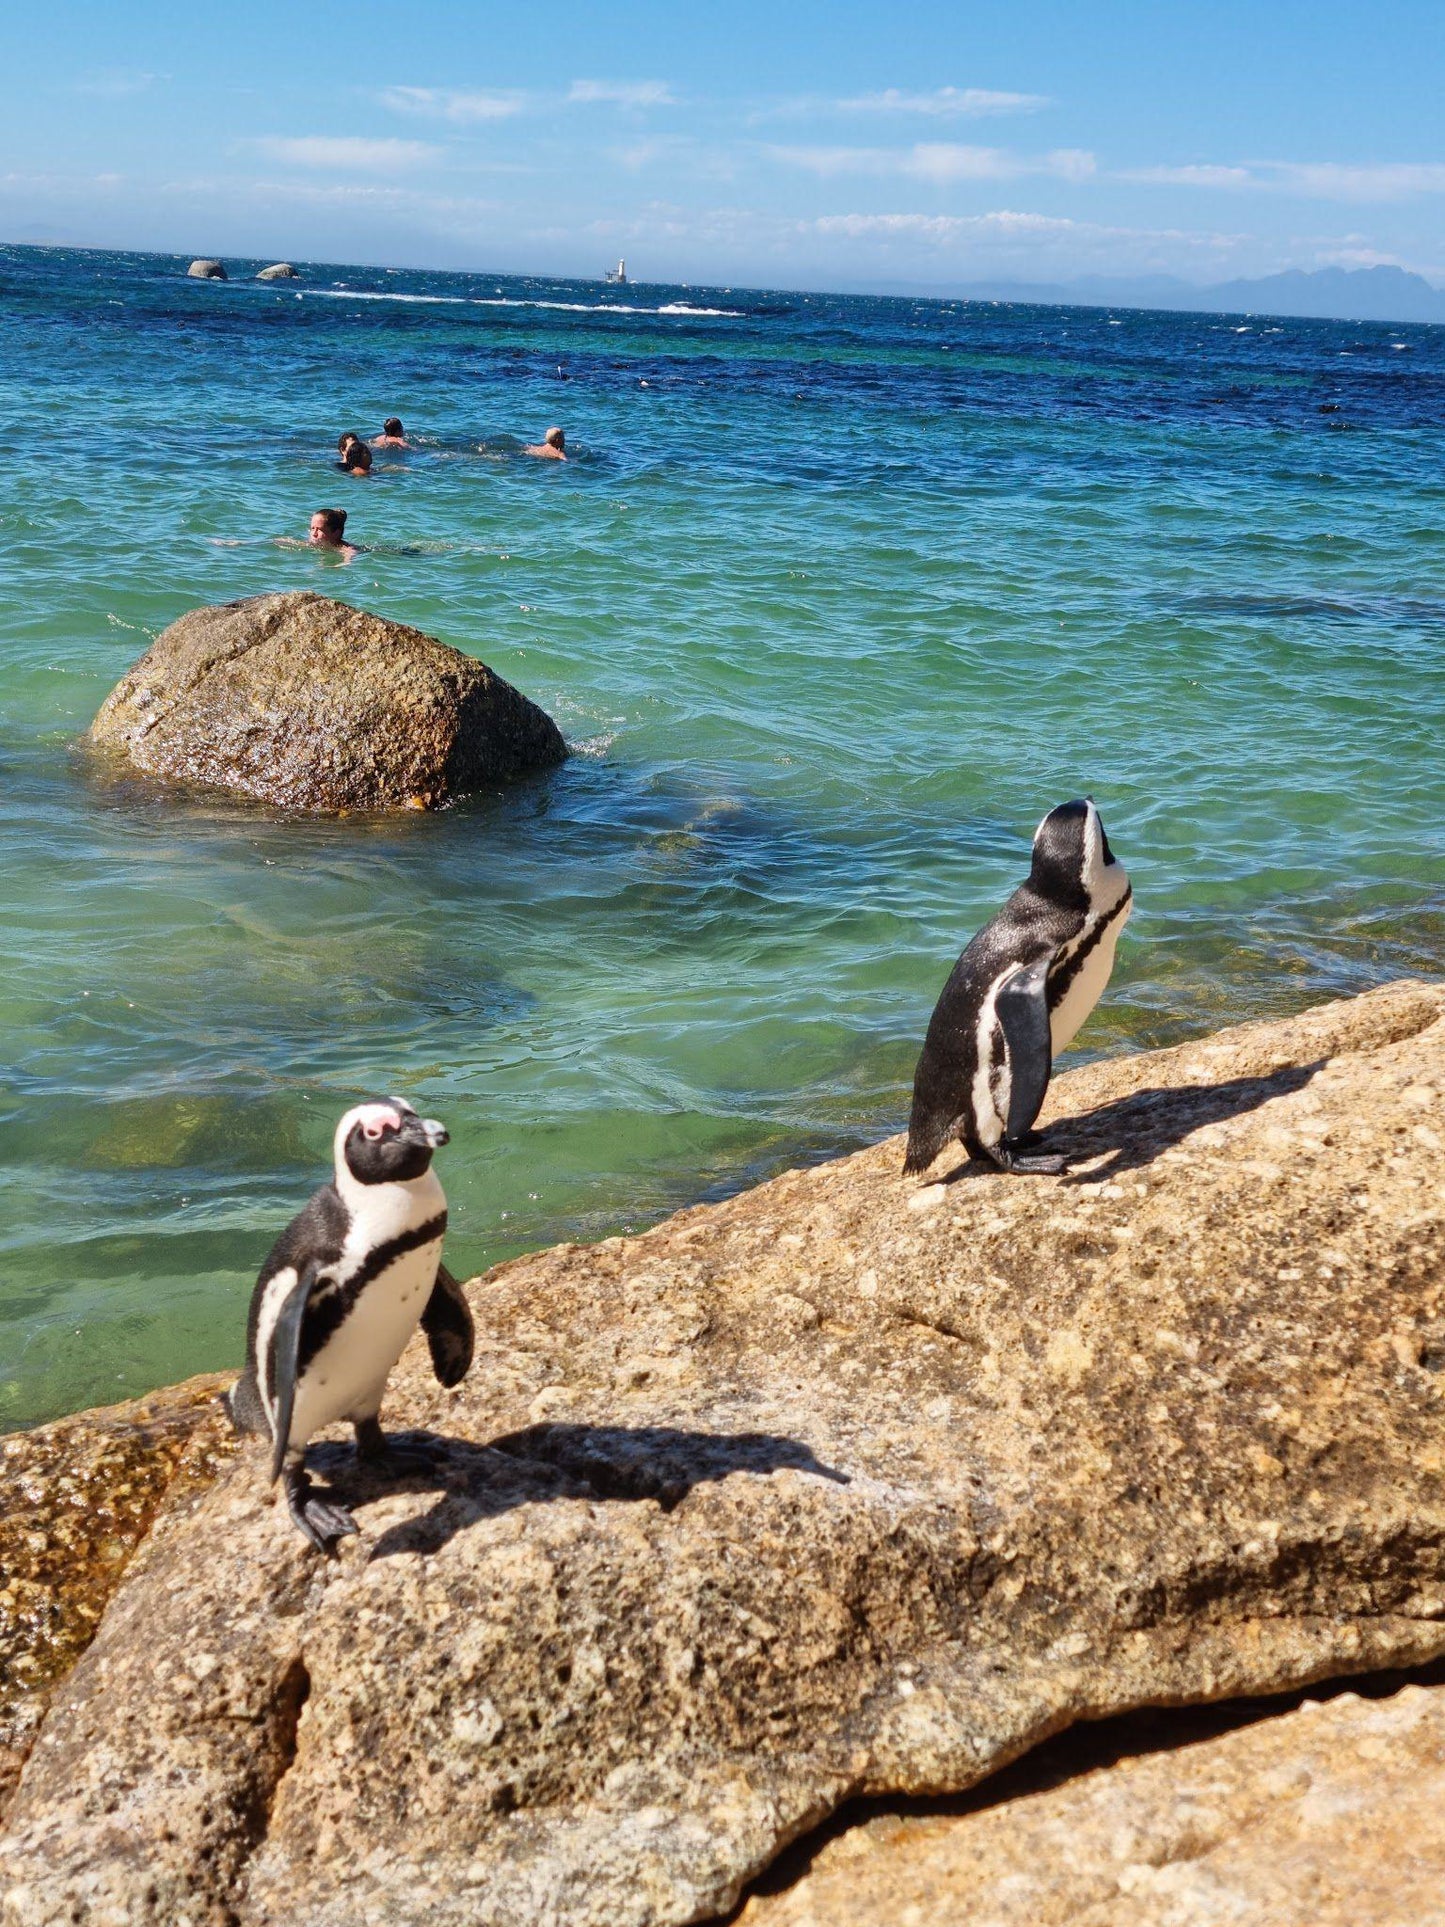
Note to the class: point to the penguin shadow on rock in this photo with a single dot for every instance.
(611, 1463)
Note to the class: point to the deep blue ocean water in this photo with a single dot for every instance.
(836, 597)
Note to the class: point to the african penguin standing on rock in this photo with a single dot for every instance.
(344, 1288)
(1017, 996)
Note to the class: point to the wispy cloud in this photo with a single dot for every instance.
(940, 162)
(967, 103)
(1312, 180)
(1034, 242)
(116, 83)
(677, 153)
(453, 103)
(1189, 176)
(351, 154)
(623, 93)
(1337, 181)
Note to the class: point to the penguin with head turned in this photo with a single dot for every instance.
(1016, 998)
(345, 1286)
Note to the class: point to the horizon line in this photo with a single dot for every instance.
(1041, 293)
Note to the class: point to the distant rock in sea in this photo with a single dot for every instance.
(313, 705)
(207, 271)
(282, 271)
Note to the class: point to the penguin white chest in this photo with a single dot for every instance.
(1090, 982)
(346, 1378)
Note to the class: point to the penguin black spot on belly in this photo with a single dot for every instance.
(1061, 978)
(329, 1311)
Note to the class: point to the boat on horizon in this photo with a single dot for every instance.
(616, 277)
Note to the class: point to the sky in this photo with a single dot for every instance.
(843, 145)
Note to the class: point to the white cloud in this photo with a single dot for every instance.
(970, 103)
(1313, 180)
(452, 103)
(1018, 243)
(623, 93)
(1336, 181)
(1190, 176)
(352, 154)
(116, 83)
(940, 162)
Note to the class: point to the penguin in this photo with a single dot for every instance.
(339, 1296)
(1016, 998)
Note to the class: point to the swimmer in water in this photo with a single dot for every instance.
(356, 459)
(392, 435)
(328, 531)
(343, 442)
(551, 448)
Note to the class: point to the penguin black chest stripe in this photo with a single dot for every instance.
(1073, 964)
(332, 1304)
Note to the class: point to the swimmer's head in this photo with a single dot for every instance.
(356, 459)
(392, 426)
(554, 438)
(328, 528)
(345, 441)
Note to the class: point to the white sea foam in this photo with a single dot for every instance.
(513, 301)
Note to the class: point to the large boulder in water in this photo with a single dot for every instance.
(313, 705)
(206, 271)
(282, 271)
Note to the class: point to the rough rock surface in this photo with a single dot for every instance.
(313, 705)
(279, 271)
(206, 271)
(79, 1497)
(1332, 1816)
(845, 1486)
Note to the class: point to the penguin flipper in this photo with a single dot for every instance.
(1023, 1015)
(285, 1361)
(450, 1333)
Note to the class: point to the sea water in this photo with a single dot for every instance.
(834, 599)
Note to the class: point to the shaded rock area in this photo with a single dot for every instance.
(79, 1497)
(207, 271)
(279, 271)
(313, 705)
(1333, 1816)
(849, 1486)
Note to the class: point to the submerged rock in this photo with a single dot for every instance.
(314, 705)
(845, 1486)
(281, 271)
(206, 271)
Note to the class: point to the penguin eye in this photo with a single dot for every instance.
(373, 1129)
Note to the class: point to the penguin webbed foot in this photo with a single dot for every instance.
(319, 1522)
(377, 1452)
(1017, 1155)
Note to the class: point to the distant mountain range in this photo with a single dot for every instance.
(1340, 294)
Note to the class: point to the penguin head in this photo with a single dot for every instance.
(1072, 861)
(386, 1142)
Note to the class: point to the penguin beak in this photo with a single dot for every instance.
(426, 1130)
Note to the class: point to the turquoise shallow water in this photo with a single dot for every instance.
(837, 598)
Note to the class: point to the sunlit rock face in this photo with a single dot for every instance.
(848, 1485)
(310, 704)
